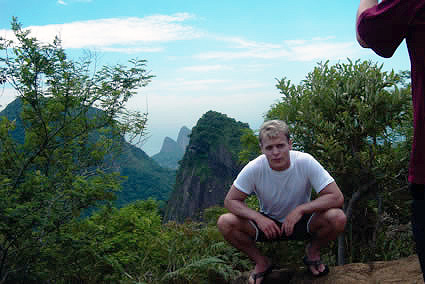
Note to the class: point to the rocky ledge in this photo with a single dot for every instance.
(403, 271)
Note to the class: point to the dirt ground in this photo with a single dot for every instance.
(403, 271)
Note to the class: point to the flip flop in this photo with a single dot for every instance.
(316, 264)
(260, 275)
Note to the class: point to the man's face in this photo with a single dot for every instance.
(276, 150)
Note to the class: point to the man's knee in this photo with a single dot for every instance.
(333, 220)
(337, 219)
(225, 223)
(229, 223)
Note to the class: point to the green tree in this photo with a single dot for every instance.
(131, 245)
(352, 118)
(74, 118)
(111, 246)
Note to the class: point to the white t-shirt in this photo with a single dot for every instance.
(279, 192)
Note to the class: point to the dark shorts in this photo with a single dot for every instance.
(300, 232)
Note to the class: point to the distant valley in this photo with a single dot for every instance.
(186, 176)
(144, 177)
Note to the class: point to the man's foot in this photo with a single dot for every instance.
(313, 262)
(257, 278)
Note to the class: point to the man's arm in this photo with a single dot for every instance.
(329, 197)
(364, 5)
(235, 203)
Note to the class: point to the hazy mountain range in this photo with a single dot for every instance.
(172, 151)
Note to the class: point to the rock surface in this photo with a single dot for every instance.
(184, 137)
(171, 151)
(403, 271)
(208, 168)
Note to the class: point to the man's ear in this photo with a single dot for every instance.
(290, 144)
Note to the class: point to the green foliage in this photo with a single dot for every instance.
(250, 147)
(55, 163)
(199, 253)
(212, 130)
(130, 245)
(212, 127)
(144, 178)
(112, 245)
(347, 115)
(393, 241)
(353, 118)
(208, 168)
(211, 215)
(58, 167)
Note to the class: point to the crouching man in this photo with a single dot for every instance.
(282, 180)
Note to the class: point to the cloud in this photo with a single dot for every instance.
(250, 54)
(201, 87)
(130, 50)
(237, 42)
(7, 95)
(184, 85)
(62, 2)
(119, 34)
(321, 49)
(205, 68)
(148, 34)
(292, 50)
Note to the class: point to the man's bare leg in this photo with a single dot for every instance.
(240, 234)
(326, 227)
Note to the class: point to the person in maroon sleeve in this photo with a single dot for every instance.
(382, 27)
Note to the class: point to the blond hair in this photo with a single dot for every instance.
(272, 129)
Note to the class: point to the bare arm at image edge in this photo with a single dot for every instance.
(363, 6)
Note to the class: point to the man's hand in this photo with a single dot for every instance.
(293, 217)
(269, 227)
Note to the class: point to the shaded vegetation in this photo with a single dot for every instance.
(56, 166)
(356, 120)
(212, 130)
(208, 168)
(143, 177)
(350, 116)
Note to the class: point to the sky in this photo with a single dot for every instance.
(224, 56)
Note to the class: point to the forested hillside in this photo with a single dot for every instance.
(144, 178)
(208, 168)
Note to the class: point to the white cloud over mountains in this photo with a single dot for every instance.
(207, 70)
(130, 34)
(291, 50)
(149, 34)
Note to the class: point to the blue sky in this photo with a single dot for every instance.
(206, 55)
